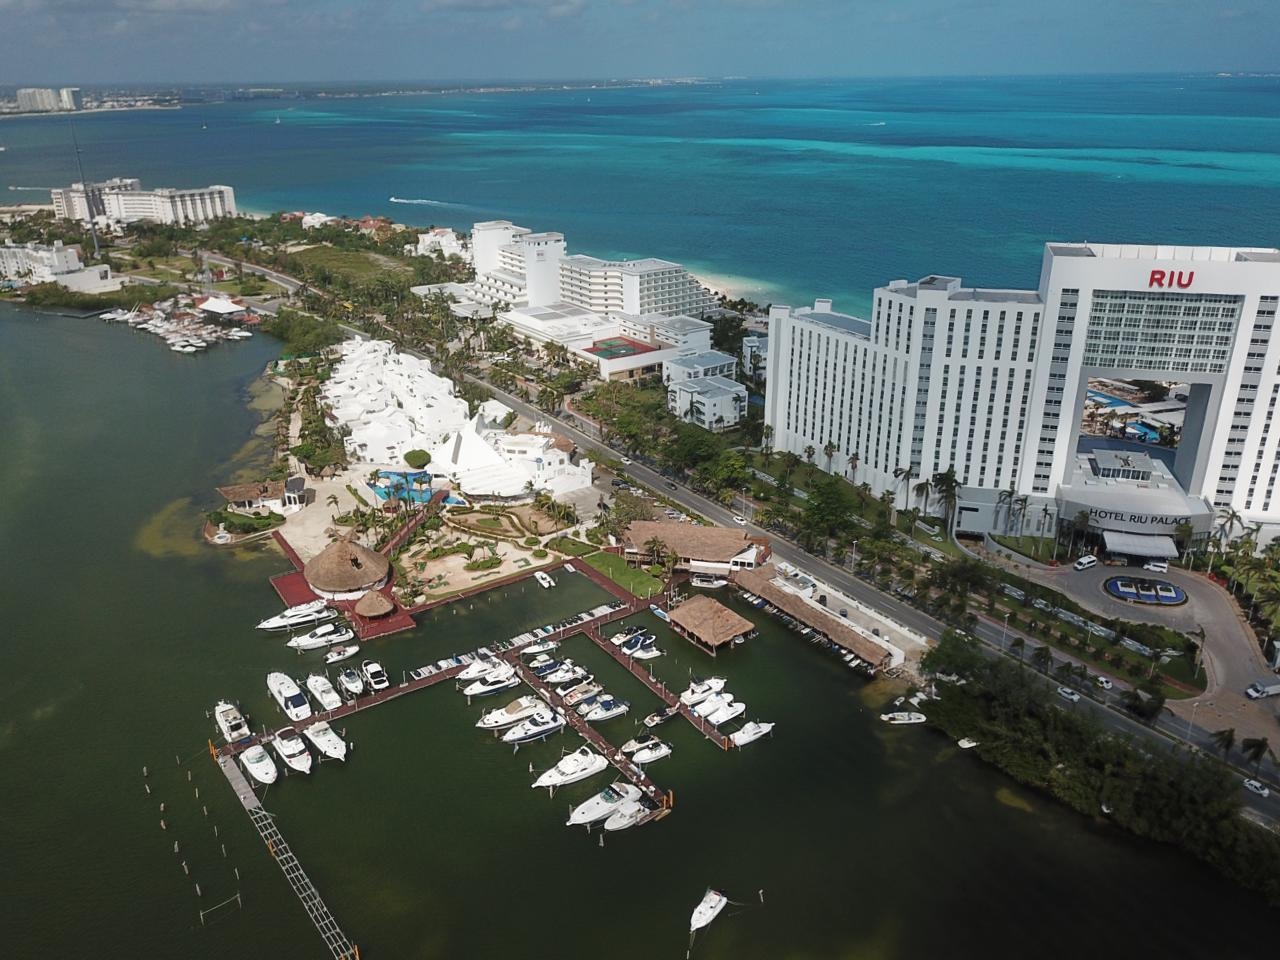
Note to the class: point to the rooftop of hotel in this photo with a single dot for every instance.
(643, 265)
(679, 324)
(821, 312)
(1154, 251)
(613, 347)
(698, 361)
(952, 287)
(710, 388)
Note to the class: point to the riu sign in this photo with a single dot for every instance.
(1169, 279)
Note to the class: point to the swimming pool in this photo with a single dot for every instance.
(1107, 400)
(403, 485)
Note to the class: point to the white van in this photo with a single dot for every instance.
(1085, 562)
(1156, 566)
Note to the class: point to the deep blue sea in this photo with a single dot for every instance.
(787, 190)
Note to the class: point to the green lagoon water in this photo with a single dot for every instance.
(120, 629)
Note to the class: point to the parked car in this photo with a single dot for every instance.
(1085, 562)
(1066, 693)
(1258, 787)
(741, 520)
(618, 483)
(1156, 566)
(1104, 683)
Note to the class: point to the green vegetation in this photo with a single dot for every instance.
(127, 297)
(488, 563)
(571, 547)
(540, 554)
(417, 459)
(1037, 548)
(239, 523)
(615, 568)
(1176, 797)
(319, 444)
(350, 265)
(303, 335)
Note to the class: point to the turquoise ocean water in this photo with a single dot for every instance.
(794, 190)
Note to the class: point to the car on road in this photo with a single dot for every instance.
(618, 483)
(1258, 787)
(1066, 693)
(1104, 682)
(1156, 566)
(625, 461)
(1085, 562)
(738, 519)
(670, 485)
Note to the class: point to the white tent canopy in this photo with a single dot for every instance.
(1140, 545)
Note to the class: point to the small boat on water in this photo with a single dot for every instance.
(569, 568)
(632, 644)
(230, 721)
(351, 682)
(542, 646)
(713, 901)
(603, 804)
(543, 660)
(639, 743)
(658, 612)
(704, 582)
(291, 699)
(541, 724)
(301, 615)
(713, 703)
(648, 650)
(699, 690)
(581, 692)
(547, 666)
(323, 691)
(903, 716)
(730, 711)
(627, 815)
(659, 717)
(341, 652)
(544, 579)
(606, 709)
(479, 667)
(568, 670)
(574, 685)
(622, 636)
(579, 765)
(326, 741)
(654, 751)
(258, 765)
(374, 675)
(324, 635)
(750, 732)
(500, 678)
(289, 746)
(966, 743)
(512, 713)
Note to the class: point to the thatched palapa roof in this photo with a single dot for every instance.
(345, 567)
(374, 604)
(689, 541)
(709, 621)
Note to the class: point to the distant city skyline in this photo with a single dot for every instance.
(60, 42)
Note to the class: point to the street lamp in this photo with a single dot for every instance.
(1190, 723)
(1005, 632)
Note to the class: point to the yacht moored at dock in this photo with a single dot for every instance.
(291, 699)
(298, 616)
(572, 767)
(230, 721)
(324, 739)
(603, 804)
(750, 732)
(292, 750)
(699, 690)
(713, 901)
(320, 688)
(544, 579)
(511, 714)
(324, 635)
(541, 724)
(259, 765)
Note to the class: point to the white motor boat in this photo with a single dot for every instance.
(581, 692)
(622, 636)
(654, 751)
(713, 901)
(301, 615)
(713, 703)
(582, 763)
(258, 765)
(648, 651)
(750, 732)
(292, 750)
(565, 672)
(627, 814)
(512, 713)
(341, 652)
(903, 716)
(660, 716)
(496, 680)
(230, 721)
(323, 691)
(544, 580)
(730, 711)
(325, 740)
(540, 662)
(351, 682)
(607, 709)
(603, 804)
(699, 690)
(479, 667)
(374, 675)
(292, 700)
(542, 646)
(966, 743)
(541, 724)
(574, 685)
(639, 743)
(325, 635)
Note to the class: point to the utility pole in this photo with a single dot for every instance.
(84, 184)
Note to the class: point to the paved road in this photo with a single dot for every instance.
(280, 279)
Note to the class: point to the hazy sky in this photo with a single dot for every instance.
(97, 41)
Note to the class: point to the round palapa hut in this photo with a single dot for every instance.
(345, 570)
(374, 604)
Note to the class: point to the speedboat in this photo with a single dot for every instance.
(603, 804)
(582, 763)
(342, 652)
(648, 650)
(325, 740)
(660, 716)
(622, 636)
(323, 691)
(639, 743)
(732, 709)
(699, 690)
(713, 901)
(632, 644)
(549, 665)
(541, 724)
(903, 716)
(374, 675)
(324, 635)
(512, 713)
(607, 708)
(542, 646)
(566, 671)
(292, 750)
(654, 751)
(292, 700)
(543, 579)
(230, 721)
(627, 814)
(587, 704)
(713, 703)
(258, 765)
(302, 614)
(574, 685)
(543, 661)
(496, 680)
(351, 682)
(479, 667)
(750, 732)
(966, 743)
(581, 692)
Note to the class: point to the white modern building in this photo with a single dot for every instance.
(442, 241)
(705, 363)
(122, 200)
(55, 263)
(515, 266)
(317, 219)
(486, 462)
(638, 287)
(755, 354)
(713, 403)
(47, 100)
(992, 384)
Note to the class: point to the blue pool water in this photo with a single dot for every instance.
(1144, 432)
(402, 485)
(1107, 400)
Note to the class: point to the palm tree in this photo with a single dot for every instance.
(1224, 740)
(1042, 658)
(808, 454)
(923, 490)
(1018, 643)
(332, 500)
(829, 450)
(946, 487)
(1005, 502)
(657, 549)
(853, 466)
(766, 442)
(1228, 520)
(1254, 749)
(1020, 511)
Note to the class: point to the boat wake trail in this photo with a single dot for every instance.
(425, 203)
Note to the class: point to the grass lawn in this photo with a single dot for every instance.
(615, 568)
(354, 264)
(572, 547)
(1037, 548)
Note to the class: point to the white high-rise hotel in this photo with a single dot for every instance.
(993, 384)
